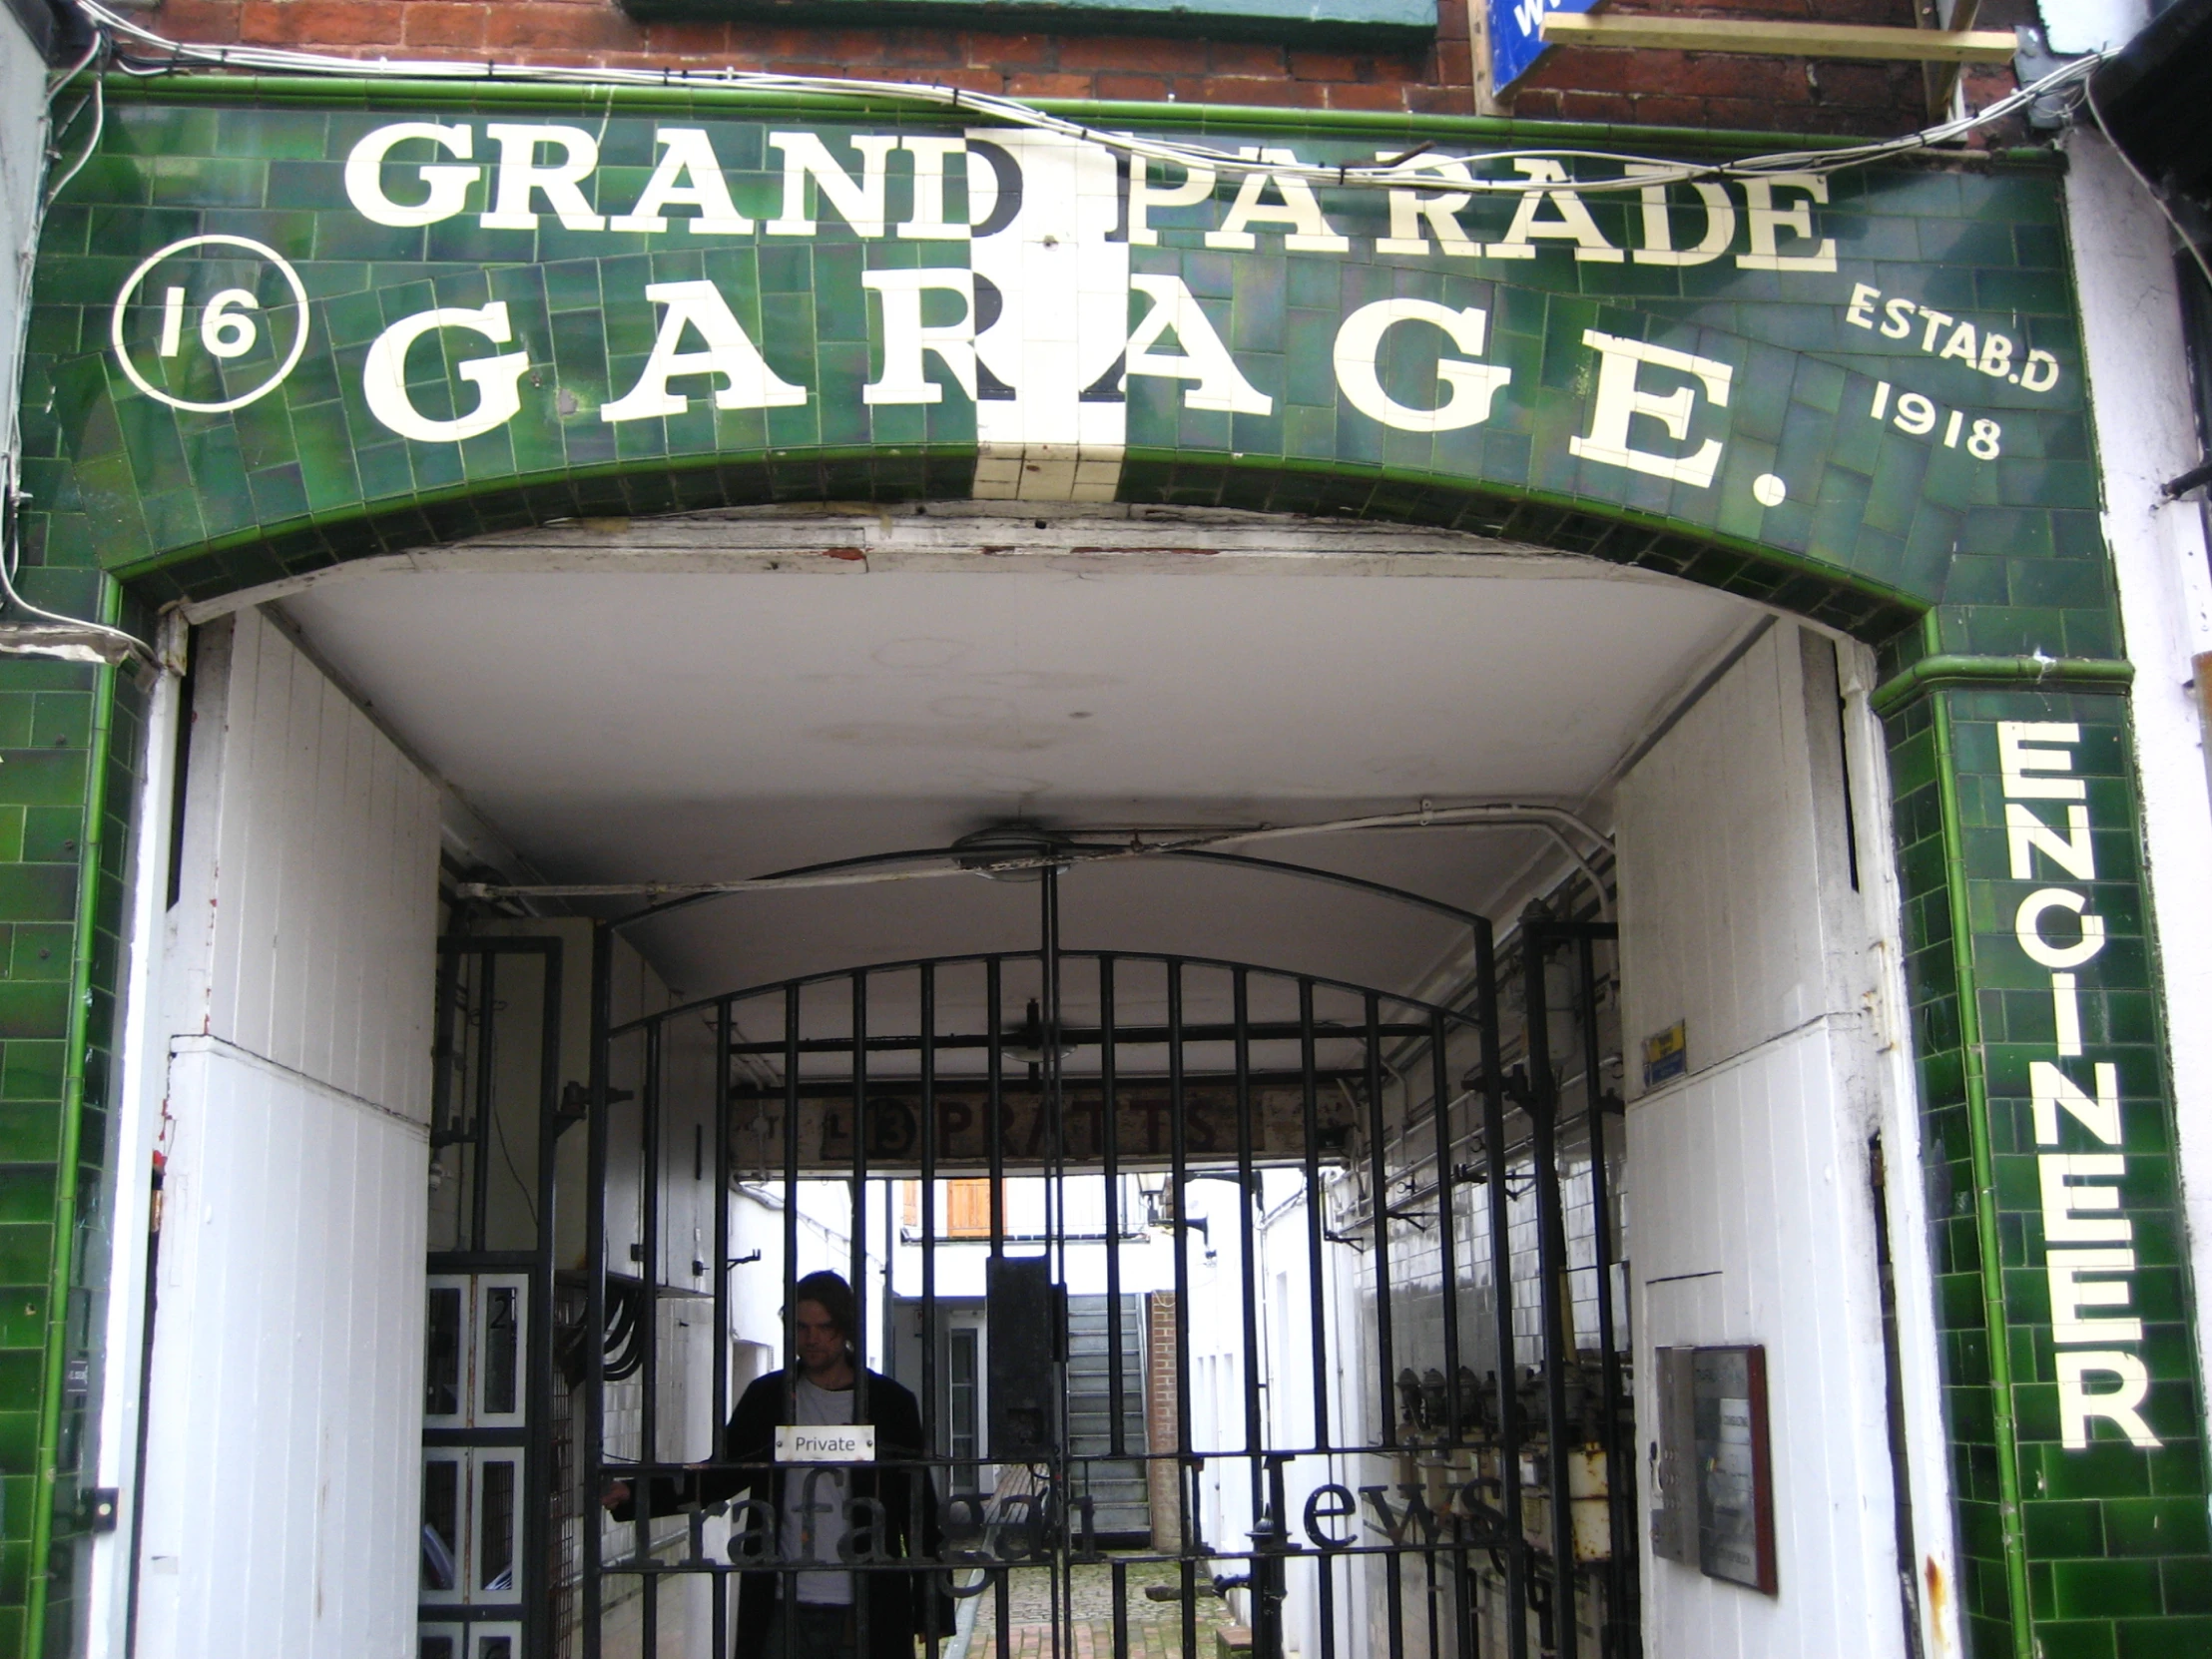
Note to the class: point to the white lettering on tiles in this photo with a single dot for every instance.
(1416, 215)
(447, 184)
(1196, 185)
(1057, 322)
(690, 176)
(1997, 356)
(747, 380)
(2051, 1090)
(1202, 358)
(498, 379)
(1570, 220)
(1769, 224)
(1470, 385)
(2076, 1405)
(2027, 835)
(226, 329)
(2080, 1203)
(1293, 206)
(1620, 399)
(907, 340)
(859, 201)
(2027, 747)
(2087, 1259)
(1658, 226)
(2071, 1291)
(521, 178)
(927, 223)
(2028, 928)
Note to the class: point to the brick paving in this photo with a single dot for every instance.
(1155, 1627)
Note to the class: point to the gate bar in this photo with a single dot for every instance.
(1514, 1541)
(858, 1281)
(1378, 1210)
(1189, 1544)
(1117, 1439)
(1551, 1266)
(594, 1338)
(1622, 1623)
(1315, 1292)
(1255, 1437)
(786, 1580)
(720, 1412)
(928, 1209)
(1448, 1246)
(648, 1316)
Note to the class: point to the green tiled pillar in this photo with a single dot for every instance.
(2078, 1448)
(69, 747)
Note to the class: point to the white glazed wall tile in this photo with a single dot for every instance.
(1066, 317)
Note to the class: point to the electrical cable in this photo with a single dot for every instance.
(2089, 97)
(962, 861)
(1412, 167)
(11, 494)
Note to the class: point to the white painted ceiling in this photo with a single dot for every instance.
(642, 726)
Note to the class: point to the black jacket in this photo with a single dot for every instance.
(897, 1603)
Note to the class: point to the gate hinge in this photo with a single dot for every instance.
(97, 1507)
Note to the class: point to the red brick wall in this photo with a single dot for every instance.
(1705, 89)
(1022, 65)
(1580, 83)
(1709, 89)
(1163, 1385)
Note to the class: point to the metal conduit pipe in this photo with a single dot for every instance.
(866, 870)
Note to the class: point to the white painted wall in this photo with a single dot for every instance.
(281, 1487)
(1753, 1217)
(280, 1498)
(2077, 26)
(304, 928)
(2146, 434)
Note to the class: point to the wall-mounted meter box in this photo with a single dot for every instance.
(1713, 1474)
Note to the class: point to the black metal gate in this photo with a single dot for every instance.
(489, 1392)
(1346, 1335)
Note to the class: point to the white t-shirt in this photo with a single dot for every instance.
(814, 1502)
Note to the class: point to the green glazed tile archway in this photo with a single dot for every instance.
(1879, 463)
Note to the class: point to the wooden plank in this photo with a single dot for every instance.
(1942, 79)
(1781, 40)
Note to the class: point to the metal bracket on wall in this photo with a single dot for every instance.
(97, 1507)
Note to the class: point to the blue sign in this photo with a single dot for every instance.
(1514, 43)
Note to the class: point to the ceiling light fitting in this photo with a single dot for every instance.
(1013, 851)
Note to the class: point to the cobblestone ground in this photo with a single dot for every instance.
(1155, 1627)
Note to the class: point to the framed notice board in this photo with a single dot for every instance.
(1735, 1486)
(1713, 1484)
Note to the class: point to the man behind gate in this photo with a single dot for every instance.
(823, 1518)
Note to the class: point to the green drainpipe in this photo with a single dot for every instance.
(1985, 1192)
(46, 1478)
